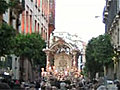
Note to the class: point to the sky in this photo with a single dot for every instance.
(78, 17)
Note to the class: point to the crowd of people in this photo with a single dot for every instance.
(52, 84)
(44, 84)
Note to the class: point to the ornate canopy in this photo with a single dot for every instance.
(61, 55)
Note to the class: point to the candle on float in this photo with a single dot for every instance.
(42, 69)
(49, 68)
(66, 72)
(53, 67)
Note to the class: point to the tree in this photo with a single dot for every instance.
(3, 6)
(104, 50)
(30, 46)
(99, 53)
(7, 35)
(91, 66)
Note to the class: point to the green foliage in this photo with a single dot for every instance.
(7, 63)
(84, 72)
(13, 4)
(99, 53)
(3, 6)
(104, 50)
(91, 64)
(30, 46)
(7, 34)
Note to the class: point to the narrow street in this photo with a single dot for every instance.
(59, 44)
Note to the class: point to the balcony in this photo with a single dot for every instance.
(108, 3)
(105, 14)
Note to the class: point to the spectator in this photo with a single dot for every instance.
(48, 88)
(32, 87)
(37, 86)
(118, 85)
(63, 86)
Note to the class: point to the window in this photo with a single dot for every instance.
(38, 27)
(26, 21)
(45, 35)
(118, 36)
(23, 22)
(42, 32)
(38, 3)
(35, 25)
(30, 23)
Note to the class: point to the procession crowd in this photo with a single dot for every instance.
(54, 84)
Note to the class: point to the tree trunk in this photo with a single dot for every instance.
(26, 69)
(1, 18)
(27, 72)
(115, 70)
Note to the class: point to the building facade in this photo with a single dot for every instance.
(38, 17)
(12, 17)
(111, 18)
(30, 16)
